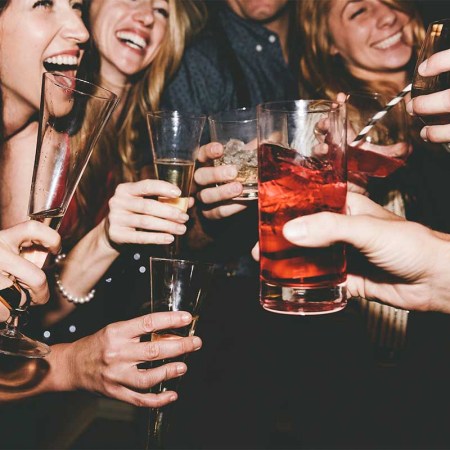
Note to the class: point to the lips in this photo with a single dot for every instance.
(133, 39)
(389, 42)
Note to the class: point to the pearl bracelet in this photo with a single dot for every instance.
(62, 290)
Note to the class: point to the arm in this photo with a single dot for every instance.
(133, 218)
(407, 262)
(106, 363)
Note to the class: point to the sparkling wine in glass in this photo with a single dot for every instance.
(175, 285)
(175, 139)
(72, 116)
(436, 40)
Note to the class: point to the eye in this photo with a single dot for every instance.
(162, 11)
(78, 6)
(43, 4)
(357, 13)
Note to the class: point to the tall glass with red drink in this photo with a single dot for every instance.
(302, 170)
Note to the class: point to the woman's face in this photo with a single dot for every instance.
(370, 36)
(38, 36)
(128, 33)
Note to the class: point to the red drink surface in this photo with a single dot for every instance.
(371, 163)
(291, 186)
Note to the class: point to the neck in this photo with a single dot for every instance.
(118, 84)
(16, 118)
(398, 78)
(280, 26)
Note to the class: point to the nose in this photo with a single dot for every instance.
(75, 29)
(144, 13)
(386, 16)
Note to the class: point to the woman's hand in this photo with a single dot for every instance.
(437, 103)
(217, 200)
(106, 362)
(15, 240)
(135, 218)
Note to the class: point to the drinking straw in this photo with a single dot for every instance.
(379, 115)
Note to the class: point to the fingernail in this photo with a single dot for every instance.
(197, 342)
(172, 398)
(231, 172)
(184, 217)
(294, 231)
(175, 191)
(181, 368)
(424, 134)
(409, 108)
(181, 229)
(423, 67)
(216, 149)
(235, 188)
(168, 239)
(186, 317)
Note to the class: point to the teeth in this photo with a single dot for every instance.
(132, 38)
(389, 41)
(63, 60)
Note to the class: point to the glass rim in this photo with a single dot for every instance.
(112, 97)
(291, 106)
(443, 20)
(182, 261)
(174, 113)
(216, 117)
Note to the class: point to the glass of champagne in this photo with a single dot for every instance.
(175, 285)
(436, 40)
(175, 139)
(66, 137)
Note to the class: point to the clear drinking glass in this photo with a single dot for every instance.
(175, 285)
(67, 135)
(385, 147)
(302, 170)
(436, 40)
(236, 131)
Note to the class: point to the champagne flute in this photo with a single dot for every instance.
(66, 137)
(436, 40)
(175, 138)
(175, 285)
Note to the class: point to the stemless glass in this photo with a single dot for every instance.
(384, 149)
(236, 131)
(302, 170)
(175, 285)
(73, 113)
(436, 40)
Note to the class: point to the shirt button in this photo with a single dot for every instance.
(258, 48)
(272, 38)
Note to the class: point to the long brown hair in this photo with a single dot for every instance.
(324, 74)
(116, 158)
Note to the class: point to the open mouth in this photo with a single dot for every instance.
(61, 63)
(132, 40)
(389, 42)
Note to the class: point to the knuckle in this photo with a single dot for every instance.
(147, 323)
(152, 351)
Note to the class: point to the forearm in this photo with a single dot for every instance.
(81, 270)
(24, 378)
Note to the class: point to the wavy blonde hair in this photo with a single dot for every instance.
(116, 158)
(324, 74)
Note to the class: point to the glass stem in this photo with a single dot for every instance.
(157, 425)
(12, 324)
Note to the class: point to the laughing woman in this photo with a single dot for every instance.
(135, 46)
(34, 35)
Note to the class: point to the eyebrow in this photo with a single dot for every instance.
(348, 3)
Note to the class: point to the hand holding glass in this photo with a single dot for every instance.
(66, 137)
(302, 170)
(236, 131)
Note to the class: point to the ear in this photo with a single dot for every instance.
(333, 50)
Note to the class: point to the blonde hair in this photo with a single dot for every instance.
(324, 74)
(115, 158)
